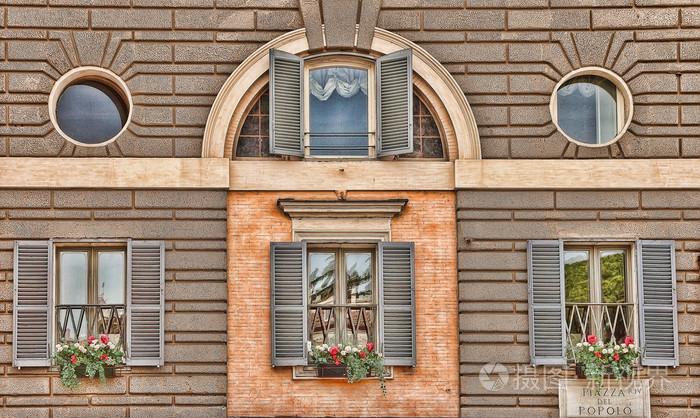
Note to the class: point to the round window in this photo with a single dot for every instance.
(592, 107)
(90, 106)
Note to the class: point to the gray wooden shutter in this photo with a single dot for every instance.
(546, 304)
(395, 104)
(33, 296)
(658, 321)
(288, 295)
(397, 303)
(286, 105)
(146, 271)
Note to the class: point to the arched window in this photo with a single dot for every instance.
(254, 136)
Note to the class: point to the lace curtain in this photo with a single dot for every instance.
(587, 87)
(347, 82)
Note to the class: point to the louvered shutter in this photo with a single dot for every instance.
(657, 303)
(397, 303)
(288, 303)
(33, 318)
(395, 104)
(546, 307)
(286, 107)
(145, 303)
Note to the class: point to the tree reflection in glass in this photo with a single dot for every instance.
(576, 276)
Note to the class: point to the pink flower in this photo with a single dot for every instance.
(616, 357)
(337, 362)
(592, 339)
(73, 359)
(104, 338)
(629, 340)
(91, 339)
(370, 346)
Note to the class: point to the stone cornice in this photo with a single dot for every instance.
(342, 208)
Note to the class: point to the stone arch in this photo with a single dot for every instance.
(430, 77)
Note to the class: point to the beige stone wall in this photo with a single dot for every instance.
(193, 226)
(493, 229)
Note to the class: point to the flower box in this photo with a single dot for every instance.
(331, 370)
(109, 371)
(581, 371)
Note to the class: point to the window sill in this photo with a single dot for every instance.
(309, 372)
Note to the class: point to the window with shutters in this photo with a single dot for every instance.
(599, 292)
(67, 290)
(341, 106)
(611, 289)
(342, 303)
(90, 294)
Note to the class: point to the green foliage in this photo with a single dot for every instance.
(576, 281)
(359, 361)
(93, 354)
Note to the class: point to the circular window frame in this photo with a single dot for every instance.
(89, 73)
(622, 89)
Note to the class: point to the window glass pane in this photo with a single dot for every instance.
(73, 277)
(587, 109)
(338, 107)
(612, 266)
(576, 273)
(358, 277)
(321, 278)
(110, 277)
(73, 290)
(90, 112)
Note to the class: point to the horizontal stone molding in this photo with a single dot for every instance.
(578, 174)
(115, 173)
(341, 175)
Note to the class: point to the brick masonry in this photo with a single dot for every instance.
(256, 389)
(193, 226)
(493, 229)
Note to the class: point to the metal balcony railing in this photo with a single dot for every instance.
(332, 324)
(608, 321)
(76, 322)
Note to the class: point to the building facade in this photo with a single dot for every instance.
(473, 186)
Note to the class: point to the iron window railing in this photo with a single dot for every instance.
(76, 322)
(342, 323)
(608, 321)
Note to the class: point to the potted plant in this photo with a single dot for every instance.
(94, 357)
(355, 362)
(595, 359)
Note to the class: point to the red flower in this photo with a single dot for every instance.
(91, 339)
(73, 359)
(592, 339)
(362, 353)
(104, 357)
(370, 346)
(616, 357)
(337, 362)
(334, 351)
(597, 354)
(629, 340)
(104, 338)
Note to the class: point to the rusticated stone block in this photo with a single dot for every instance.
(24, 385)
(47, 18)
(178, 384)
(131, 19)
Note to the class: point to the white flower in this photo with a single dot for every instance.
(590, 348)
(380, 355)
(308, 346)
(325, 346)
(579, 345)
(342, 353)
(624, 350)
(65, 346)
(600, 344)
(631, 346)
(348, 348)
(617, 347)
(76, 345)
(624, 345)
(585, 343)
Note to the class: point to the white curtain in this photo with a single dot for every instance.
(587, 88)
(347, 82)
